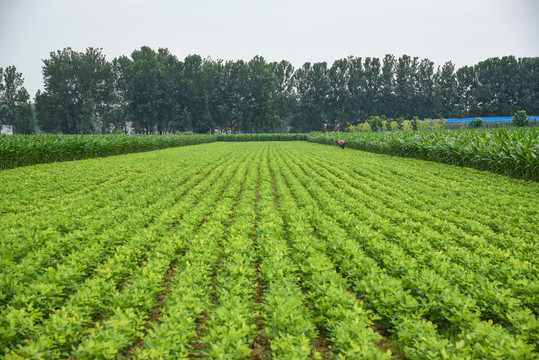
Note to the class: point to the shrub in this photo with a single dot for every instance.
(521, 118)
(376, 123)
(407, 125)
(477, 123)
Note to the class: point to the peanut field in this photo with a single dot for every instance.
(259, 250)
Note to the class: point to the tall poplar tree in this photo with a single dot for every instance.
(339, 111)
(386, 105)
(446, 91)
(373, 83)
(357, 86)
(283, 99)
(406, 102)
(425, 89)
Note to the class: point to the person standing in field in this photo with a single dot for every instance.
(341, 143)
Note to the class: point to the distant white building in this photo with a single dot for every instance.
(6, 129)
(129, 128)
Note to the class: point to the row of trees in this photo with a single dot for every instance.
(152, 91)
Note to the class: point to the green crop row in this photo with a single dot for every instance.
(290, 325)
(513, 152)
(173, 335)
(230, 327)
(347, 321)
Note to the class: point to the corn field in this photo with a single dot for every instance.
(508, 151)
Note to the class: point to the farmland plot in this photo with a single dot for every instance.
(258, 250)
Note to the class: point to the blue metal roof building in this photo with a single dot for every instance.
(488, 118)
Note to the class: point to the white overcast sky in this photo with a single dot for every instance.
(462, 31)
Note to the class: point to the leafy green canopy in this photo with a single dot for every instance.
(154, 92)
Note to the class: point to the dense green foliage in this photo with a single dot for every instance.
(270, 250)
(508, 151)
(154, 92)
(79, 91)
